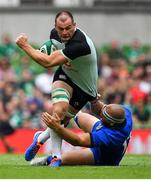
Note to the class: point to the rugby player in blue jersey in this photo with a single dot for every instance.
(107, 138)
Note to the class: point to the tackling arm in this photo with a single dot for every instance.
(74, 139)
(96, 106)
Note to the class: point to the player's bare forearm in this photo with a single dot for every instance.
(40, 58)
(37, 56)
(68, 135)
(96, 106)
(74, 139)
(47, 61)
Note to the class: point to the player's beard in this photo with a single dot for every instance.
(65, 39)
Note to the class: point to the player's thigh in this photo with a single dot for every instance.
(86, 121)
(78, 157)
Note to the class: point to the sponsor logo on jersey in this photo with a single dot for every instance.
(61, 76)
(76, 103)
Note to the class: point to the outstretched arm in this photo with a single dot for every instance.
(74, 139)
(47, 61)
(96, 106)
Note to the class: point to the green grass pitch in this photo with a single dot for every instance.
(132, 167)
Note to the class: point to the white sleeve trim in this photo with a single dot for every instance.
(69, 60)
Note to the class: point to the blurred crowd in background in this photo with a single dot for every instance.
(25, 87)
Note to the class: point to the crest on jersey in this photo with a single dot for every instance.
(99, 127)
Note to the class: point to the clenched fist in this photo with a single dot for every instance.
(22, 40)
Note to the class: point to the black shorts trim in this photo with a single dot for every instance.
(79, 97)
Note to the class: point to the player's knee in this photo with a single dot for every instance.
(69, 115)
(60, 109)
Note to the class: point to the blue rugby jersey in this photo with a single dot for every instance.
(109, 144)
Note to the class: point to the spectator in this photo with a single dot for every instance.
(42, 81)
(141, 114)
(32, 114)
(14, 107)
(135, 51)
(6, 71)
(8, 47)
(115, 52)
(105, 70)
(27, 82)
(145, 84)
(148, 102)
(5, 127)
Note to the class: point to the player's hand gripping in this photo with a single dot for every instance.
(22, 40)
(51, 121)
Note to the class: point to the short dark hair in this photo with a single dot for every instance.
(64, 12)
